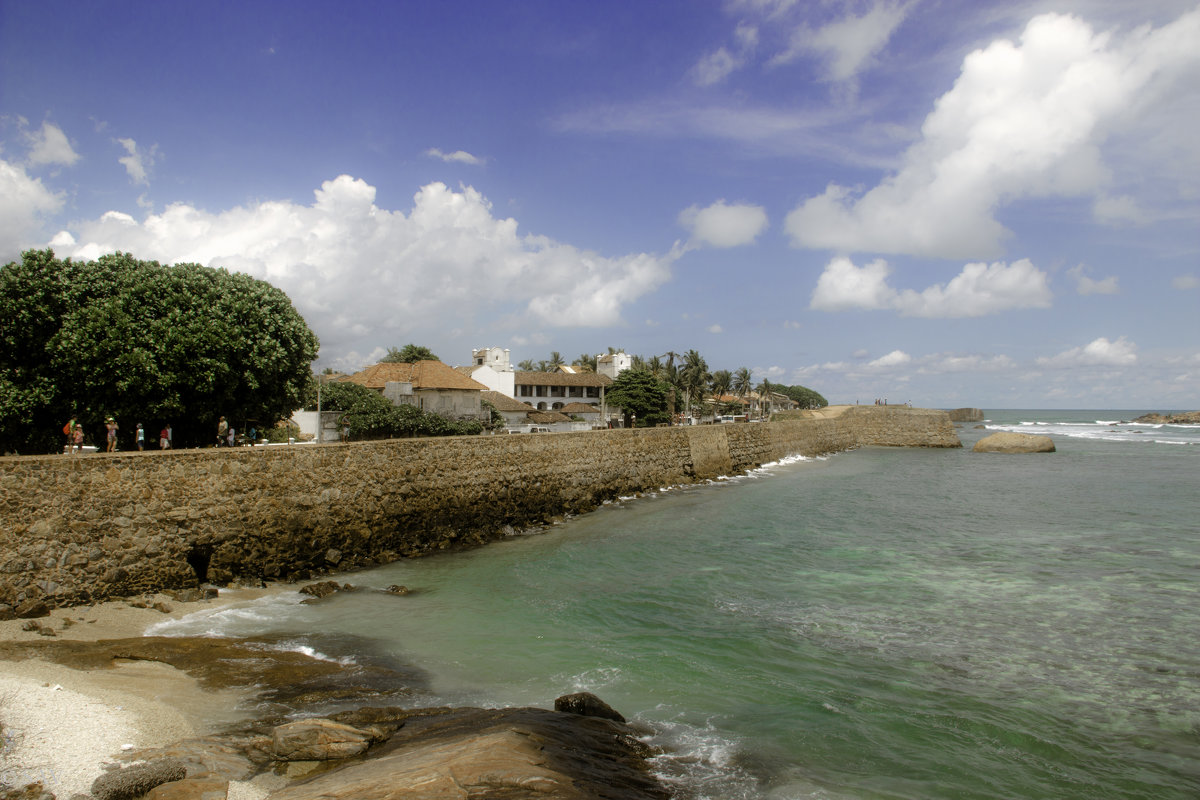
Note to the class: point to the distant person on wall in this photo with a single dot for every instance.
(164, 439)
(69, 433)
(170, 436)
(253, 435)
(222, 430)
(77, 438)
(230, 437)
(111, 425)
(141, 437)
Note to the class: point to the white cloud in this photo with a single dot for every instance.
(1098, 352)
(721, 225)
(979, 290)
(24, 203)
(458, 156)
(363, 275)
(948, 362)
(1086, 285)
(137, 162)
(896, 358)
(717, 65)
(715, 329)
(849, 45)
(1024, 119)
(1186, 282)
(50, 145)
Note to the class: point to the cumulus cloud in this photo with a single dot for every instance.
(137, 162)
(50, 146)
(896, 358)
(458, 156)
(1097, 353)
(715, 328)
(362, 275)
(721, 225)
(849, 45)
(979, 290)
(1186, 282)
(1087, 285)
(24, 203)
(1024, 119)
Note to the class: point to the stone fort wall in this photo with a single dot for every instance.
(79, 529)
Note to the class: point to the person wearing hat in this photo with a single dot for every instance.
(111, 424)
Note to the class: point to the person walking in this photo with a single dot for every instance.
(141, 437)
(69, 434)
(111, 425)
(222, 430)
(77, 439)
(164, 439)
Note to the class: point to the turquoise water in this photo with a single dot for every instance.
(879, 624)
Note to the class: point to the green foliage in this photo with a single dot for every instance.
(804, 397)
(408, 354)
(638, 392)
(371, 416)
(146, 343)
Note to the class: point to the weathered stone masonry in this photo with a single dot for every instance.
(76, 530)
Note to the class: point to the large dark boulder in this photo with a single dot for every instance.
(133, 781)
(588, 705)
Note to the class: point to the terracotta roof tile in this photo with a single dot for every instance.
(503, 402)
(560, 379)
(421, 374)
(579, 408)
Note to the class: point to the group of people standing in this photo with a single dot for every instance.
(73, 430)
(227, 435)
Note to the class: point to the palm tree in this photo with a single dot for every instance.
(694, 376)
(556, 361)
(743, 383)
(527, 365)
(722, 379)
(764, 397)
(655, 366)
(585, 363)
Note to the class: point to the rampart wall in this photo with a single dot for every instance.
(79, 529)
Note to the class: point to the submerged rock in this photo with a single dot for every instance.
(1014, 443)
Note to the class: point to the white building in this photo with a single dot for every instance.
(491, 367)
(613, 364)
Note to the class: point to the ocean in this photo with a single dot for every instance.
(881, 623)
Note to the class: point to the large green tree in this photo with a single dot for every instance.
(636, 391)
(143, 342)
(804, 397)
(409, 354)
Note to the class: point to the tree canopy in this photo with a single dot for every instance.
(408, 354)
(804, 397)
(143, 342)
(372, 416)
(638, 392)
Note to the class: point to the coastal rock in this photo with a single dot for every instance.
(1186, 418)
(33, 608)
(515, 754)
(966, 415)
(191, 789)
(588, 705)
(135, 780)
(321, 740)
(31, 791)
(1014, 443)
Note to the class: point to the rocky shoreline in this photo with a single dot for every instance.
(1184, 418)
(311, 728)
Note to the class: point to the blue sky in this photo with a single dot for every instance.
(943, 203)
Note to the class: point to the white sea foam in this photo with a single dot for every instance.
(697, 761)
(230, 620)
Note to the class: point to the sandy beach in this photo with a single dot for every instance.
(61, 726)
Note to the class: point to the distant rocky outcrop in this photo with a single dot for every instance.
(1186, 418)
(966, 415)
(1014, 443)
